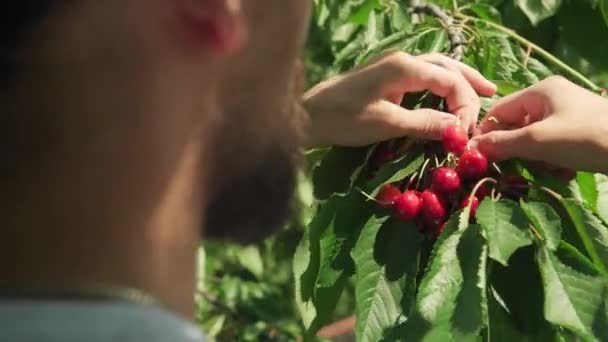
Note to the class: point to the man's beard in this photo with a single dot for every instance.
(253, 180)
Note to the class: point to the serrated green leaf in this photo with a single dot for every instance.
(335, 174)
(505, 226)
(350, 214)
(546, 221)
(602, 200)
(396, 171)
(520, 288)
(539, 10)
(592, 232)
(573, 299)
(569, 254)
(452, 295)
(304, 286)
(386, 258)
(587, 192)
(502, 328)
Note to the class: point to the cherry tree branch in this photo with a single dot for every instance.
(454, 33)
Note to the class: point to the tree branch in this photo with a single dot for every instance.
(454, 33)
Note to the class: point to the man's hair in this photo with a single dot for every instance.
(17, 19)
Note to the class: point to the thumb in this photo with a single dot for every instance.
(500, 145)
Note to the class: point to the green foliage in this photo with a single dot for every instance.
(528, 270)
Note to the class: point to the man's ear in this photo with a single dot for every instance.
(217, 25)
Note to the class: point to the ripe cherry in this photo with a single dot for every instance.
(455, 140)
(474, 201)
(408, 206)
(387, 196)
(382, 155)
(446, 180)
(483, 192)
(472, 165)
(433, 208)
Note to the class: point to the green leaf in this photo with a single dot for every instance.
(484, 11)
(452, 295)
(337, 171)
(520, 288)
(396, 171)
(502, 328)
(304, 285)
(251, 259)
(604, 9)
(505, 226)
(386, 258)
(592, 232)
(350, 214)
(586, 192)
(546, 220)
(362, 14)
(539, 10)
(573, 298)
(434, 41)
(602, 200)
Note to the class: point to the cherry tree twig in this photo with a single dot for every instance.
(457, 41)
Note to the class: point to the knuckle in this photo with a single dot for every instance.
(397, 62)
(552, 82)
(532, 136)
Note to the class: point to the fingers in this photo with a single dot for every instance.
(475, 78)
(500, 145)
(518, 109)
(402, 73)
(421, 123)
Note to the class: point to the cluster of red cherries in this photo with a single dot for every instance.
(445, 188)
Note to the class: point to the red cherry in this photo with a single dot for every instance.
(387, 196)
(408, 206)
(382, 155)
(513, 180)
(446, 180)
(474, 204)
(433, 208)
(483, 192)
(472, 165)
(455, 139)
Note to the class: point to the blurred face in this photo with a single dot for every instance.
(257, 148)
(122, 85)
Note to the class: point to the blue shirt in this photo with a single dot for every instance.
(34, 321)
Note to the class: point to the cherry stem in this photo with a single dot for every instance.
(410, 180)
(536, 233)
(553, 194)
(481, 183)
(368, 196)
(426, 163)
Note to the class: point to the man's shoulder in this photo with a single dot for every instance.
(92, 321)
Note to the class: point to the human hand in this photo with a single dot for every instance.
(554, 121)
(363, 106)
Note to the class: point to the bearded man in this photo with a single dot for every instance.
(133, 129)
